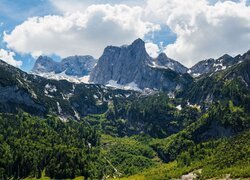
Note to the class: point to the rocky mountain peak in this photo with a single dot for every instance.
(120, 64)
(43, 59)
(75, 66)
(44, 64)
(162, 55)
(163, 61)
(131, 65)
(225, 56)
(138, 44)
(214, 65)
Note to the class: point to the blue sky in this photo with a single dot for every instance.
(186, 30)
(15, 12)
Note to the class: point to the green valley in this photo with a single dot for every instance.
(62, 130)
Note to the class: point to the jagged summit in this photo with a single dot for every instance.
(131, 64)
(163, 61)
(213, 65)
(162, 55)
(138, 43)
(225, 56)
(121, 64)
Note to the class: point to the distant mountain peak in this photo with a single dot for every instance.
(225, 56)
(44, 59)
(214, 65)
(72, 66)
(44, 64)
(163, 61)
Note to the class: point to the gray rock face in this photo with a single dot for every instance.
(132, 64)
(78, 65)
(12, 97)
(123, 65)
(72, 66)
(213, 65)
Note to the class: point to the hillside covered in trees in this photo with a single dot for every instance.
(105, 133)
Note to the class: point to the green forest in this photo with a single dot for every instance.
(203, 132)
(98, 146)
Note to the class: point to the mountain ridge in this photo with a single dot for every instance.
(73, 68)
(130, 67)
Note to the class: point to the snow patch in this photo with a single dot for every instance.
(63, 119)
(179, 107)
(59, 109)
(171, 95)
(167, 66)
(132, 86)
(50, 88)
(66, 96)
(196, 74)
(223, 67)
(77, 115)
(129, 86)
(194, 105)
(63, 76)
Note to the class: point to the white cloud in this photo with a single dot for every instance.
(8, 57)
(203, 30)
(76, 5)
(87, 32)
(152, 49)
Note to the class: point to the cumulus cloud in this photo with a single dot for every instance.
(152, 49)
(8, 57)
(76, 5)
(203, 29)
(87, 32)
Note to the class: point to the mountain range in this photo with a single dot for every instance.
(130, 67)
(137, 117)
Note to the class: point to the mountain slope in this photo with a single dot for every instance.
(231, 83)
(217, 159)
(40, 96)
(214, 65)
(32, 146)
